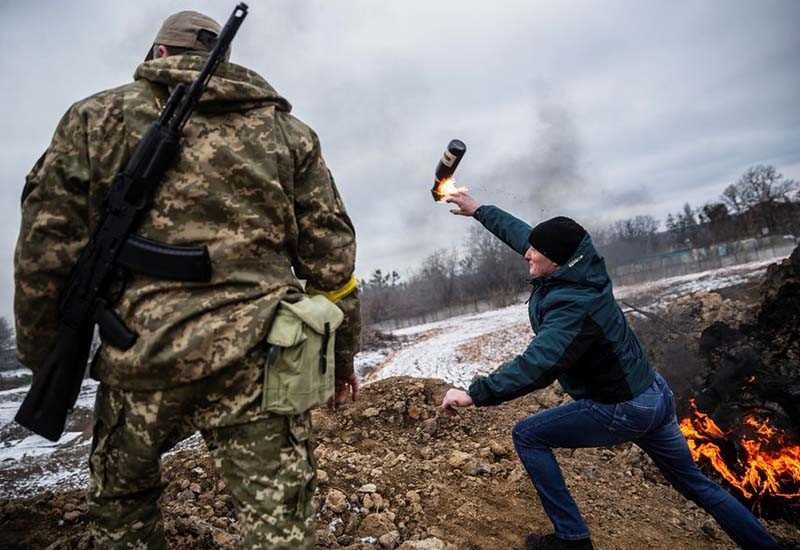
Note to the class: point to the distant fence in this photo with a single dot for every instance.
(672, 264)
(693, 260)
(440, 315)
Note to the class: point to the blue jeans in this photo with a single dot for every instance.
(649, 421)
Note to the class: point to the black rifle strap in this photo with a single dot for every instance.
(323, 353)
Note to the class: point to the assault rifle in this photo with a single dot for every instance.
(114, 249)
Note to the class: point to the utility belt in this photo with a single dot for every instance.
(300, 368)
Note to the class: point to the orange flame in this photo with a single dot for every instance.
(770, 465)
(447, 187)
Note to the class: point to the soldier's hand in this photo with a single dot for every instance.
(344, 387)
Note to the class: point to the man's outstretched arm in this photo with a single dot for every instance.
(512, 231)
(563, 338)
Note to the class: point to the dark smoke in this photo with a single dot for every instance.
(546, 173)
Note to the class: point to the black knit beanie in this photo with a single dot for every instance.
(557, 238)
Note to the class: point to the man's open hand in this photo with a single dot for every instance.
(455, 398)
(466, 204)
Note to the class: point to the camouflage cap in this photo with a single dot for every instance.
(181, 30)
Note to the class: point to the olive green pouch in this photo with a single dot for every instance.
(300, 360)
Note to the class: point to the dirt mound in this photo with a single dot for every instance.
(779, 316)
(761, 355)
(695, 312)
(395, 473)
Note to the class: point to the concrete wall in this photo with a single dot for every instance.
(693, 260)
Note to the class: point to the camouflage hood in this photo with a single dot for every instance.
(232, 88)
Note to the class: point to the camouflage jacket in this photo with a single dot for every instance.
(249, 182)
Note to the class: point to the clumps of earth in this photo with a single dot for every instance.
(671, 334)
(396, 473)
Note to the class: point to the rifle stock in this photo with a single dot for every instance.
(56, 384)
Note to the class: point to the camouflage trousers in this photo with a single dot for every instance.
(266, 460)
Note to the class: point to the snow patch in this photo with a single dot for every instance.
(655, 294)
(15, 373)
(435, 356)
(35, 445)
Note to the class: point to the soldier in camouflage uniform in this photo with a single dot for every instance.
(251, 184)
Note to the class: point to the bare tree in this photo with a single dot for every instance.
(628, 239)
(733, 199)
(760, 190)
(601, 234)
(636, 228)
(7, 341)
(764, 184)
(493, 270)
(440, 272)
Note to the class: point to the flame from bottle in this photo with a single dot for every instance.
(447, 187)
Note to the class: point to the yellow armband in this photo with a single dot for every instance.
(335, 295)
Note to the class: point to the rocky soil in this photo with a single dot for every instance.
(395, 473)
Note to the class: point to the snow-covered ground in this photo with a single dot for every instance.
(434, 354)
(15, 373)
(31, 465)
(654, 294)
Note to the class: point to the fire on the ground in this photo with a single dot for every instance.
(763, 464)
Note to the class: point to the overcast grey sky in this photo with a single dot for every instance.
(599, 110)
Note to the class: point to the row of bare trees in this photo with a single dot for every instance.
(625, 240)
(761, 201)
(484, 269)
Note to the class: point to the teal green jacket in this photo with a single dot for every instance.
(582, 338)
